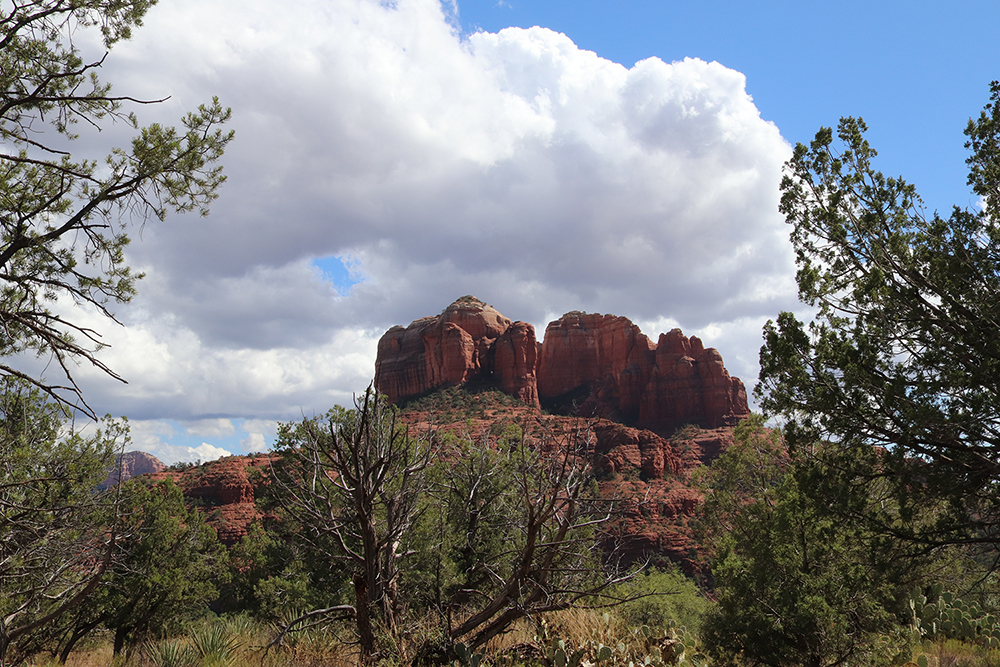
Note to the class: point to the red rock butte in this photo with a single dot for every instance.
(224, 490)
(588, 365)
(129, 465)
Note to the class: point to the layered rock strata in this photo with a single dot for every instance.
(588, 365)
(224, 490)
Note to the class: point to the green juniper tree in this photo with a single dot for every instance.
(795, 584)
(58, 535)
(889, 406)
(903, 353)
(64, 217)
(168, 565)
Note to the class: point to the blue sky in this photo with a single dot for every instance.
(915, 71)
(615, 157)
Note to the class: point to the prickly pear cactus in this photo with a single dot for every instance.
(647, 648)
(673, 646)
(938, 614)
(466, 657)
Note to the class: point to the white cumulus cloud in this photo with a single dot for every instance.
(207, 452)
(513, 166)
(254, 442)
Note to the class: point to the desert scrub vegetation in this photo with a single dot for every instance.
(458, 402)
(598, 636)
(595, 637)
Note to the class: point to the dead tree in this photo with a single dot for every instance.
(541, 498)
(352, 481)
(556, 564)
(355, 484)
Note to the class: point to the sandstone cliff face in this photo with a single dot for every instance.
(601, 365)
(224, 490)
(468, 341)
(635, 395)
(603, 355)
(588, 365)
(514, 362)
(690, 384)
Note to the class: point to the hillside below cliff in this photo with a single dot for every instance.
(645, 415)
(649, 475)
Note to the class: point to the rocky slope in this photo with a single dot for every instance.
(587, 365)
(225, 490)
(648, 474)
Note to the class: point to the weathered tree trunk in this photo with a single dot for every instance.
(76, 636)
(120, 634)
(364, 620)
(4, 643)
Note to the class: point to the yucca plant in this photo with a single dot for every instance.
(243, 626)
(215, 646)
(171, 654)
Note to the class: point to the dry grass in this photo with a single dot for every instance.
(97, 656)
(100, 656)
(953, 653)
(307, 649)
(310, 653)
(332, 647)
(520, 646)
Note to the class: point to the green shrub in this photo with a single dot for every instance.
(666, 598)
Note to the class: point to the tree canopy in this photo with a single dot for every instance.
(795, 584)
(902, 353)
(169, 564)
(63, 217)
(58, 536)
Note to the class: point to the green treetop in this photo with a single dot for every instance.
(903, 353)
(63, 218)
